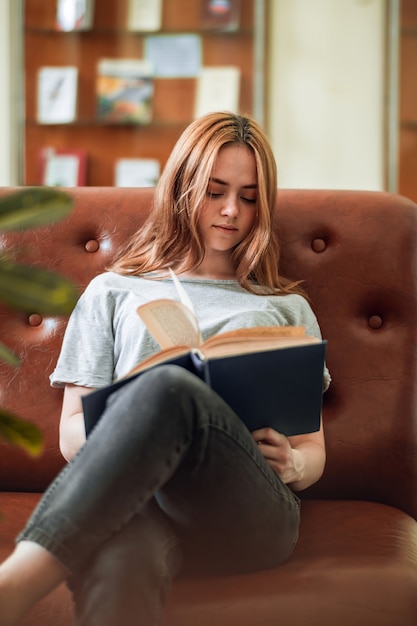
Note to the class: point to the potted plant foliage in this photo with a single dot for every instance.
(28, 288)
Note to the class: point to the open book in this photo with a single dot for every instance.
(270, 376)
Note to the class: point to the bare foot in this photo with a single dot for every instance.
(28, 575)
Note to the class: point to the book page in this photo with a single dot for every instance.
(259, 339)
(158, 359)
(171, 323)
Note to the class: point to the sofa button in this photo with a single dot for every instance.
(375, 322)
(318, 244)
(35, 319)
(92, 245)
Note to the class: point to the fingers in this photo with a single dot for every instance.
(269, 436)
(277, 451)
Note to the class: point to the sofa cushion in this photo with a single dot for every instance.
(355, 563)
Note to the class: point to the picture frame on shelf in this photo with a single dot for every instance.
(74, 15)
(218, 89)
(174, 56)
(62, 167)
(221, 15)
(137, 172)
(144, 15)
(57, 94)
(124, 91)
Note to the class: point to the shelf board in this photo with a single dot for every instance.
(241, 32)
(83, 123)
(409, 125)
(409, 32)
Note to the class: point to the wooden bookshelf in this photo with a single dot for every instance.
(407, 183)
(173, 99)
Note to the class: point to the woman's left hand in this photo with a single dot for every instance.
(286, 461)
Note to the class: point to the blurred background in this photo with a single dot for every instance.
(332, 81)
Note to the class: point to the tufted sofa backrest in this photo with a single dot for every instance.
(356, 252)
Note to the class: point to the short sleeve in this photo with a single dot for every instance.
(87, 353)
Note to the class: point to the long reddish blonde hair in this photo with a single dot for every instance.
(170, 236)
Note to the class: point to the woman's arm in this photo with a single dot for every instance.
(71, 427)
(298, 460)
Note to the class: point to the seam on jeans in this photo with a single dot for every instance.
(263, 467)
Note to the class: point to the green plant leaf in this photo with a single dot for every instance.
(32, 207)
(8, 356)
(19, 432)
(35, 290)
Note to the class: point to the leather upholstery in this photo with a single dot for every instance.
(356, 560)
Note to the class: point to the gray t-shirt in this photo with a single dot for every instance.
(105, 337)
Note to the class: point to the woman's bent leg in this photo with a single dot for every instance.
(166, 434)
(128, 579)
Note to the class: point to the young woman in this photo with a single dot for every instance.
(170, 479)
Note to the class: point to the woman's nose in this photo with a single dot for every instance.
(230, 206)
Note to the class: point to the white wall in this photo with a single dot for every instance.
(326, 98)
(6, 165)
(11, 98)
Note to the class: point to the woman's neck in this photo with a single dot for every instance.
(213, 268)
(212, 275)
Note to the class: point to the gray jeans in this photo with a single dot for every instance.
(170, 478)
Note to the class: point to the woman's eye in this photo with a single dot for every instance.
(214, 195)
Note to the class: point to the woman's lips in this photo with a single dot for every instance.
(226, 228)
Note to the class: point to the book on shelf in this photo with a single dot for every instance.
(220, 14)
(137, 172)
(57, 95)
(61, 167)
(218, 89)
(144, 15)
(124, 89)
(74, 15)
(270, 376)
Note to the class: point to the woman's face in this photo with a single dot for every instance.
(229, 210)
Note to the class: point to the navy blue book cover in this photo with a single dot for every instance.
(280, 388)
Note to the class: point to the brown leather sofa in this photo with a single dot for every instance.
(356, 560)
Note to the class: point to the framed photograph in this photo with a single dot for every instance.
(220, 14)
(62, 168)
(124, 91)
(57, 95)
(218, 89)
(137, 172)
(74, 15)
(144, 15)
(174, 56)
